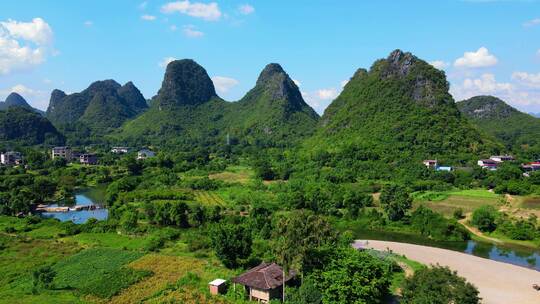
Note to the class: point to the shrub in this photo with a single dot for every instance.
(484, 218)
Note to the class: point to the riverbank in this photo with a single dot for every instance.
(498, 283)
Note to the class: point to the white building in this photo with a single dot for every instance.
(502, 158)
(10, 158)
(120, 150)
(145, 153)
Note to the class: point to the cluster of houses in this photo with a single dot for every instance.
(434, 164)
(494, 161)
(11, 158)
(490, 164)
(91, 159)
(69, 155)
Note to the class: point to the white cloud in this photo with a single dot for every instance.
(191, 32)
(528, 79)
(246, 9)
(165, 61)
(224, 84)
(297, 83)
(148, 17)
(478, 59)
(326, 94)
(38, 31)
(439, 64)
(343, 83)
(486, 84)
(24, 44)
(143, 5)
(538, 53)
(209, 12)
(88, 23)
(533, 22)
(173, 28)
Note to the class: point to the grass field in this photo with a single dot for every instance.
(234, 174)
(107, 240)
(208, 198)
(99, 272)
(447, 202)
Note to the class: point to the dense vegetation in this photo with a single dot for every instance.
(21, 126)
(517, 130)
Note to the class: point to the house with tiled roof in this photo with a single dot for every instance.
(264, 282)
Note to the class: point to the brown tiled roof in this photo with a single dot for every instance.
(265, 276)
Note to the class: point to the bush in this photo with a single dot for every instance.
(438, 285)
(485, 218)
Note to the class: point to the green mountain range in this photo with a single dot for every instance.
(23, 126)
(101, 108)
(187, 111)
(398, 112)
(517, 130)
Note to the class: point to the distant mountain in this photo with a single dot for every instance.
(102, 107)
(273, 111)
(16, 100)
(187, 111)
(397, 113)
(516, 129)
(19, 125)
(537, 115)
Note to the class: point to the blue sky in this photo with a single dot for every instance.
(485, 47)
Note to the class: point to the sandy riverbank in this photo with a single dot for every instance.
(498, 283)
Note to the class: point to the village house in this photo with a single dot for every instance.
(10, 158)
(120, 150)
(264, 282)
(145, 153)
(88, 159)
(502, 158)
(430, 163)
(444, 168)
(62, 152)
(488, 164)
(531, 167)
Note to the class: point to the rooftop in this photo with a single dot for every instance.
(265, 276)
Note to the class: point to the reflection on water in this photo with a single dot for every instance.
(84, 198)
(517, 255)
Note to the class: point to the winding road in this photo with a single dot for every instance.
(498, 283)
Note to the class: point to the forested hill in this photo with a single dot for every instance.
(102, 107)
(398, 112)
(21, 126)
(188, 112)
(16, 100)
(518, 131)
(273, 112)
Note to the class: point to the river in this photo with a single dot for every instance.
(512, 254)
(85, 197)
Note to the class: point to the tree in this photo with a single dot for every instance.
(298, 236)
(231, 243)
(438, 285)
(43, 277)
(353, 276)
(484, 218)
(129, 219)
(396, 201)
(307, 293)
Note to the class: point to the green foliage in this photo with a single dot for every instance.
(307, 293)
(231, 243)
(435, 226)
(516, 129)
(43, 277)
(100, 272)
(353, 276)
(396, 201)
(26, 127)
(485, 218)
(438, 285)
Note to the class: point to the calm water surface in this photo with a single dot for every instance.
(86, 197)
(512, 254)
